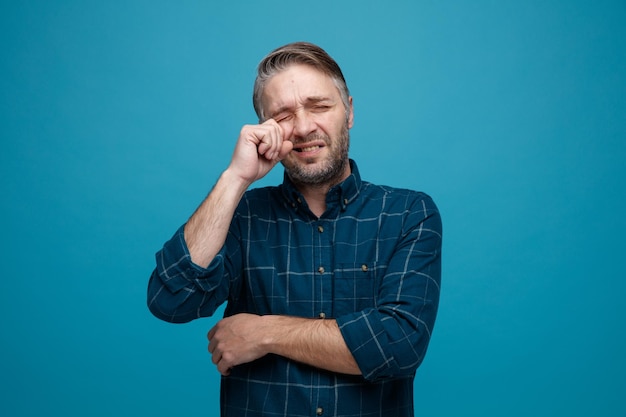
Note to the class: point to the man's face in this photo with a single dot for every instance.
(307, 105)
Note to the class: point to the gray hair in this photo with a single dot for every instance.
(297, 53)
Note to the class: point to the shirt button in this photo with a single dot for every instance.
(364, 268)
(319, 411)
(322, 315)
(320, 269)
(320, 229)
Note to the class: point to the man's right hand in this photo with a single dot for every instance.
(259, 148)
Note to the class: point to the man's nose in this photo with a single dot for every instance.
(303, 125)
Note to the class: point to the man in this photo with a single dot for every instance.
(331, 283)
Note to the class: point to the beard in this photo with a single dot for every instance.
(331, 169)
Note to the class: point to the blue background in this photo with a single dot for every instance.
(117, 117)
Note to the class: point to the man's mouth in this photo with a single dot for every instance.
(307, 148)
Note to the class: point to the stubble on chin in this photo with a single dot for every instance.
(329, 172)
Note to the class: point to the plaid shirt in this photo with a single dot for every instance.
(372, 262)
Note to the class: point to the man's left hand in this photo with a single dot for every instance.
(235, 340)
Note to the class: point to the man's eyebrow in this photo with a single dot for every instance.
(308, 101)
(317, 99)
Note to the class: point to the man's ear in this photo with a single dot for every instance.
(350, 114)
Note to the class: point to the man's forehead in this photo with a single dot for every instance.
(299, 83)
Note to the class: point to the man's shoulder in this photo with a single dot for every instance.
(261, 200)
(370, 190)
(262, 192)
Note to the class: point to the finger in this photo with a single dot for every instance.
(265, 144)
(260, 136)
(274, 143)
(211, 334)
(216, 357)
(212, 342)
(266, 148)
(223, 368)
(274, 139)
(281, 129)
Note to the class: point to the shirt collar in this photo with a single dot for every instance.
(343, 193)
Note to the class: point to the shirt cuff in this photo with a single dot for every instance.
(366, 339)
(177, 270)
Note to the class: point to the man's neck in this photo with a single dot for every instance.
(315, 194)
(315, 197)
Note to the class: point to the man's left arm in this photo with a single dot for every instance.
(243, 338)
(391, 340)
(383, 342)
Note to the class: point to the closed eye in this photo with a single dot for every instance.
(283, 118)
(321, 108)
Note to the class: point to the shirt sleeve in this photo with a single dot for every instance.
(390, 341)
(179, 290)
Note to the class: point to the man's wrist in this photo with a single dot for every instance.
(232, 179)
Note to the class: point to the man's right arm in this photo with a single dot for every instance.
(259, 148)
(206, 230)
(179, 288)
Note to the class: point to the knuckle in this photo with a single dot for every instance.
(227, 357)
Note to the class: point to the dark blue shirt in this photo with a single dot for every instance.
(372, 261)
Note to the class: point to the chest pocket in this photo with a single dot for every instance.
(354, 288)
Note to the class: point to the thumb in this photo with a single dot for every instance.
(287, 146)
